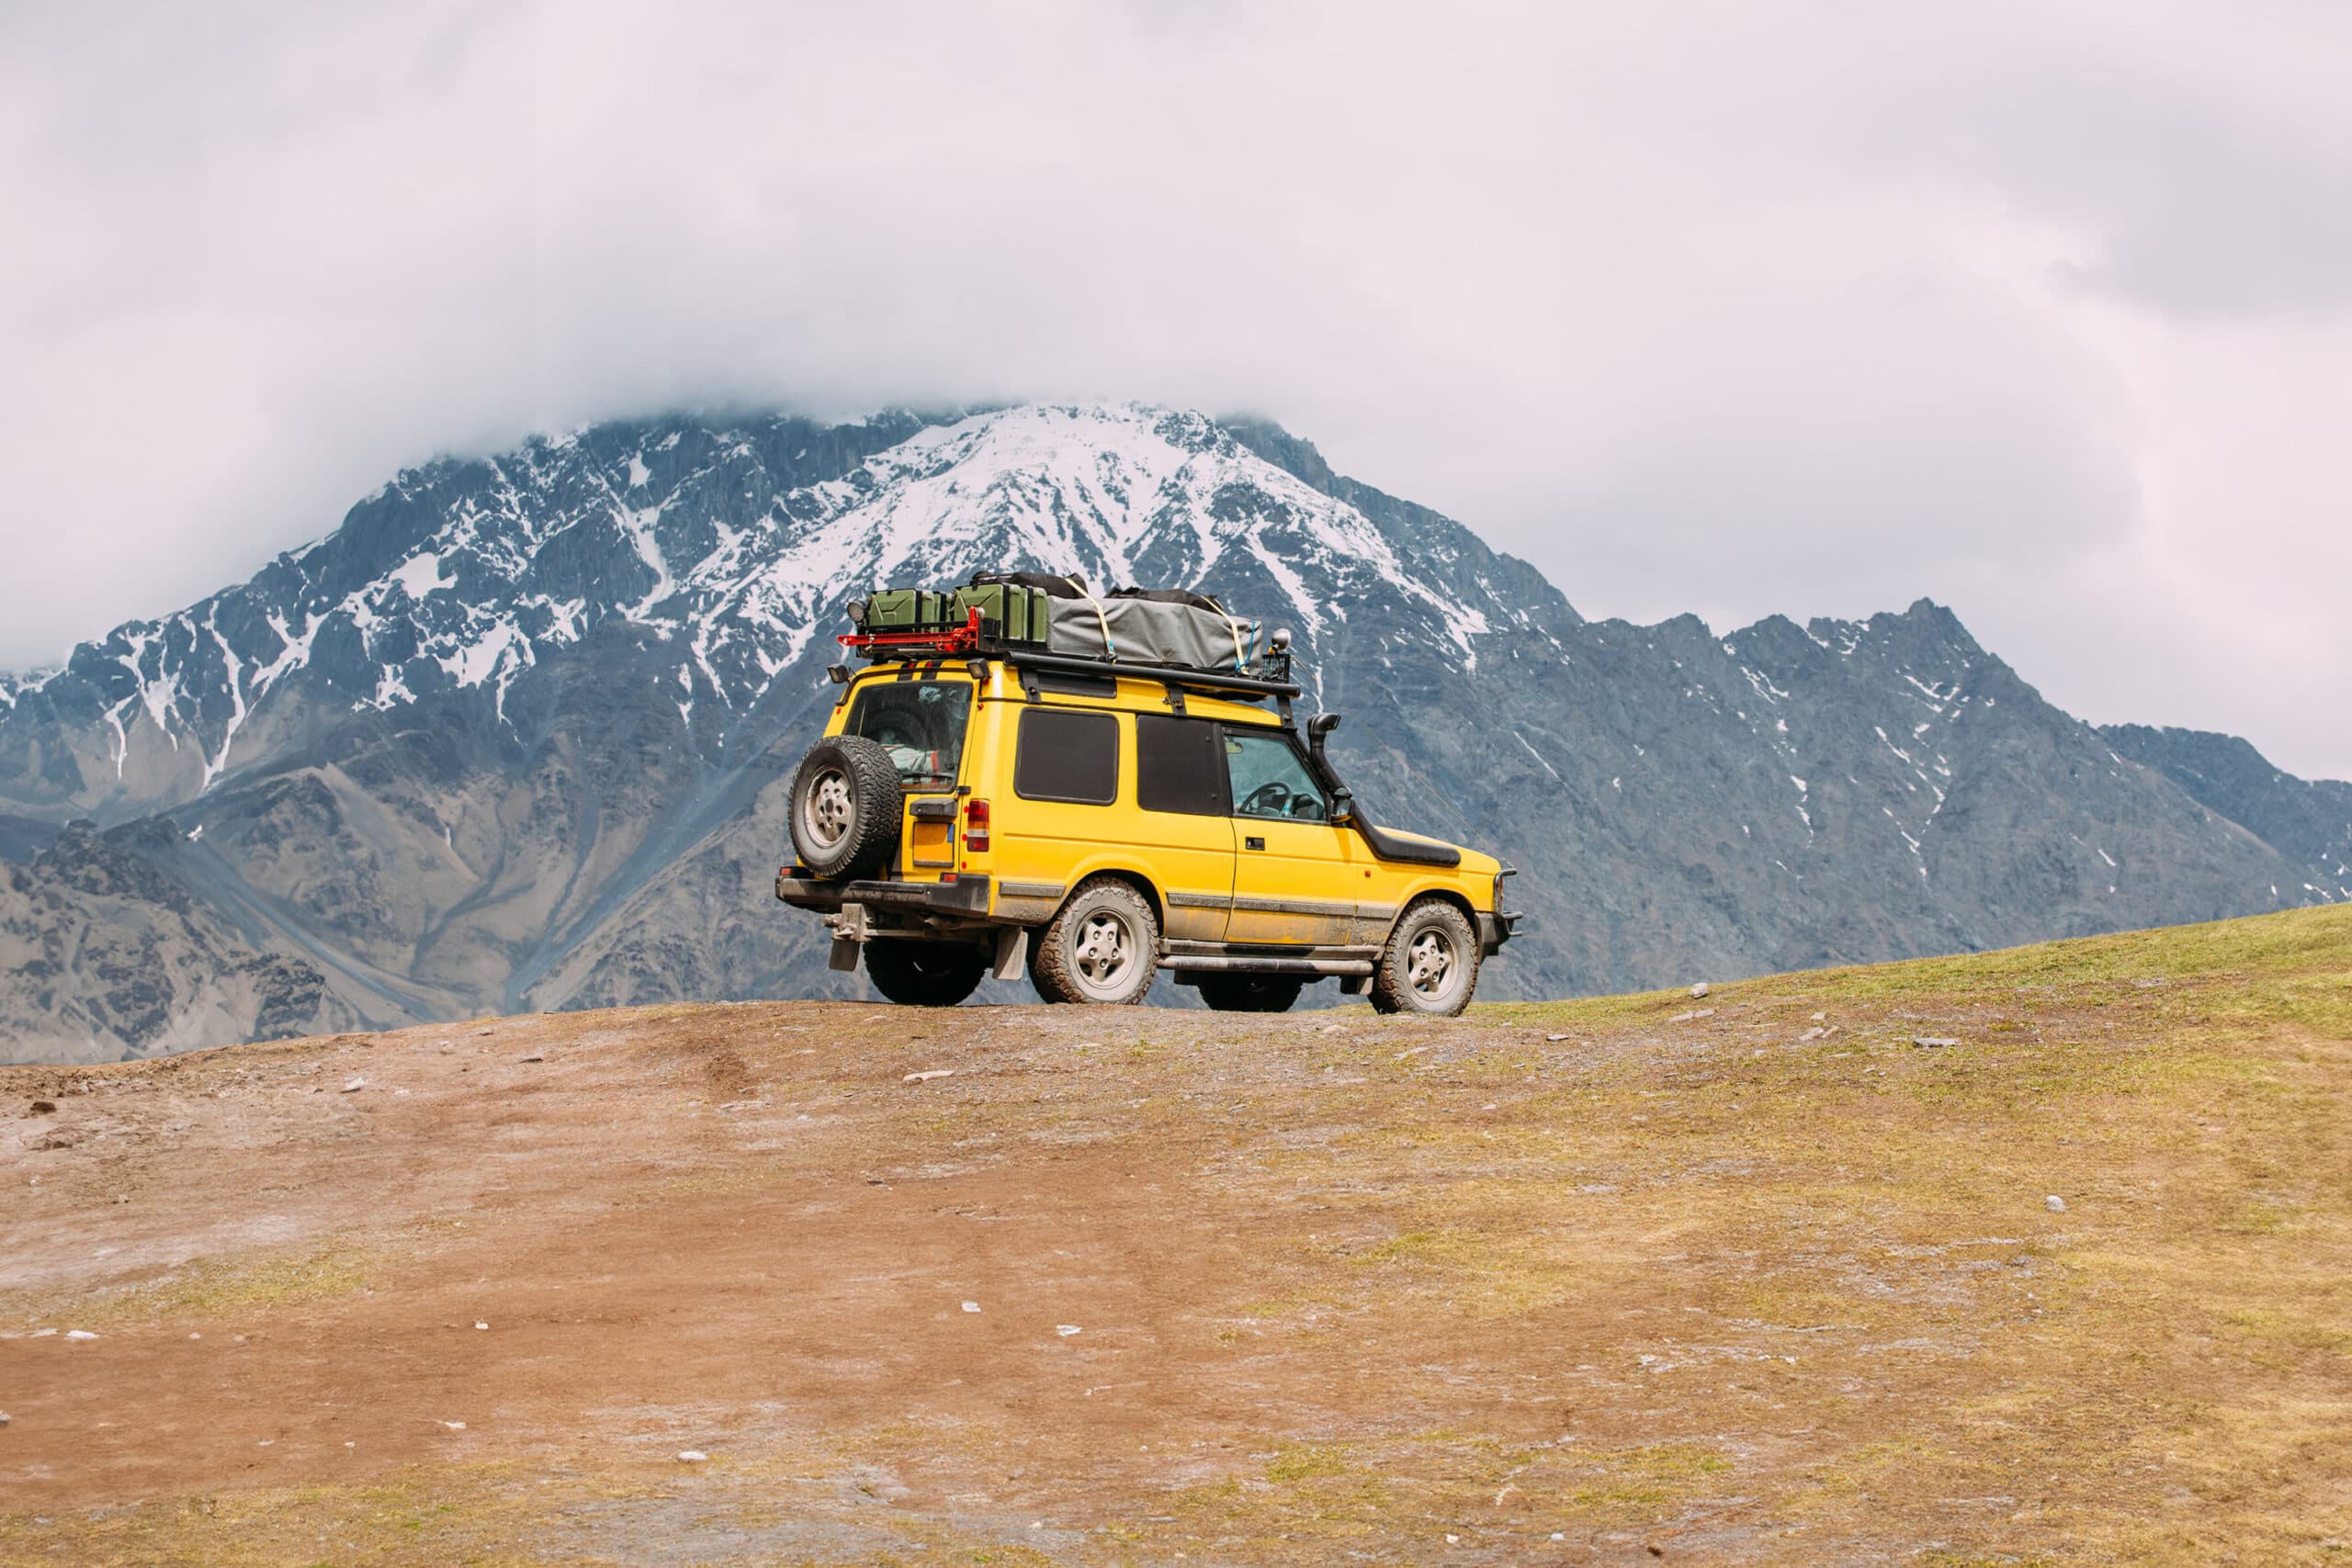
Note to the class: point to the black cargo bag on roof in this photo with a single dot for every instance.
(1169, 596)
(1071, 587)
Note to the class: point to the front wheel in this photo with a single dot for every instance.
(1430, 965)
(925, 974)
(1249, 993)
(1102, 947)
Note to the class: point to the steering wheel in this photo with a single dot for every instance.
(1269, 800)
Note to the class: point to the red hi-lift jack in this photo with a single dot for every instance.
(965, 639)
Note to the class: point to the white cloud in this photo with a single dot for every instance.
(1736, 308)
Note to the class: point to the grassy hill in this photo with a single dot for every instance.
(1769, 1277)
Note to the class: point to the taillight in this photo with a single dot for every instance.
(976, 825)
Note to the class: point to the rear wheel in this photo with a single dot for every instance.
(1101, 947)
(1430, 965)
(1251, 993)
(925, 974)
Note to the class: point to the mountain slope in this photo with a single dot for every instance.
(110, 952)
(515, 735)
(2309, 821)
(1580, 1283)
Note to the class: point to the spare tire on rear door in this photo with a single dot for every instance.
(846, 803)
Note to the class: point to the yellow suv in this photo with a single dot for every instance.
(968, 816)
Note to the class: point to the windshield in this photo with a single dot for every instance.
(921, 723)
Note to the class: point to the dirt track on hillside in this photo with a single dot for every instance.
(1248, 1290)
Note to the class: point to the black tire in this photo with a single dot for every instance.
(1035, 944)
(1430, 965)
(925, 974)
(1251, 993)
(1101, 947)
(846, 803)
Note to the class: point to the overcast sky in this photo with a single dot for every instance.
(2044, 311)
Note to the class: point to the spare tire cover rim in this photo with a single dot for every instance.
(826, 808)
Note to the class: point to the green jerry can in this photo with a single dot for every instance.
(901, 609)
(1007, 610)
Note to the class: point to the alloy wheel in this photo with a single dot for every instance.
(1429, 963)
(1104, 949)
(826, 807)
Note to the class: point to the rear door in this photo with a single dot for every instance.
(1181, 821)
(1296, 877)
(921, 718)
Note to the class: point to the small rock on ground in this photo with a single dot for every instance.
(2054, 1204)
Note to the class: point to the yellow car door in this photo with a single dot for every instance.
(1296, 877)
(1181, 823)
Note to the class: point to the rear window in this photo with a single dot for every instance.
(1065, 755)
(1179, 766)
(920, 723)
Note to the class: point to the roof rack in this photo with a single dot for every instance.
(1186, 676)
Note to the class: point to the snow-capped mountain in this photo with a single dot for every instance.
(737, 546)
(514, 734)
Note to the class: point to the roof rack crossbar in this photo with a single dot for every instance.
(1167, 674)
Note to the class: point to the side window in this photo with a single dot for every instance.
(1268, 778)
(1179, 765)
(1062, 754)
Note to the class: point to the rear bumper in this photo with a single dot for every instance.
(967, 895)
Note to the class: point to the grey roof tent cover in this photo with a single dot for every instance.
(1135, 627)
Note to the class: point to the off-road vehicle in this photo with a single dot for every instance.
(992, 794)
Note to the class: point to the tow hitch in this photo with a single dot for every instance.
(851, 926)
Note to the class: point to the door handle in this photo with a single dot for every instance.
(1253, 843)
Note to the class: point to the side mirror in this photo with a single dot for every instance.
(1343, 804)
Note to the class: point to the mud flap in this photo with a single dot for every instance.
(844, 956)
(1355, 985)
(1011, 952)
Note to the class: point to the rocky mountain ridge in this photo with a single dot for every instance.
(514, 735)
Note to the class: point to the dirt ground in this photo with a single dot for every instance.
(1769, 1277)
